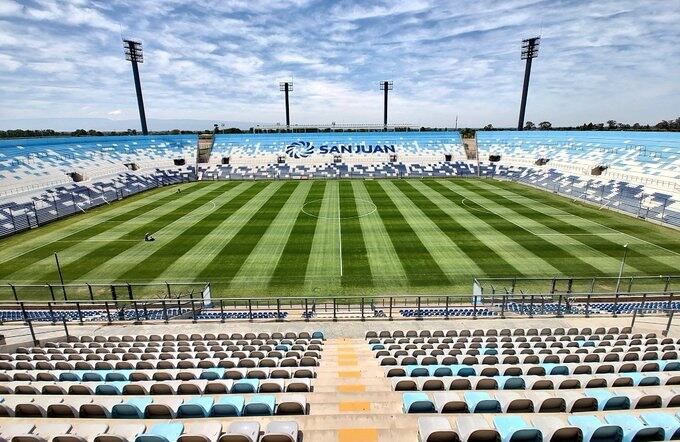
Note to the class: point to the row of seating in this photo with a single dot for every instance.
(570, 401)
(530, 369)
(255, 357)
(493, 348)
(501, 332)
(433, 312)
(269, 344)
(239, 351)
(471, 357)
(149, 364)
(210, 431)
(508, 348)
(156, 387)
(532, 382)
(155, 374)
(202, 337)
(153, 407)
(616, 427)
(621, 339)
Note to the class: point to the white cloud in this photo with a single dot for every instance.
(115, 114)
(9, 63)
(206, 59)
(9, 8)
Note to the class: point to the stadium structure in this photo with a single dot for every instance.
(413, 286)
(340, 283)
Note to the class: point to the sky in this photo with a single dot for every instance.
(222, 60)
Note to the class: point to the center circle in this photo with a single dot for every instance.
(315, 206)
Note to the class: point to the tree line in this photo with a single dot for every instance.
(663, 125)
(468, 132)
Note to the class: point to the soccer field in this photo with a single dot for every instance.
(289, 238)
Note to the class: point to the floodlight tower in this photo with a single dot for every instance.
(386, 86)
(529, 52)
(133, 54)
(286, 86)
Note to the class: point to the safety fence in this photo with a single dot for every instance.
(493, 305)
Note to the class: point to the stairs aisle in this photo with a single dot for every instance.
(364, 406)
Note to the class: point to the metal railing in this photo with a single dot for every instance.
(357, 308)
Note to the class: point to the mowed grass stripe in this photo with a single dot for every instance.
(596, 263)
(228, 261)
(356, 270)
(71, 257)
(146, 261)
(292, 265)
(261, 263)
(30, 241)
(652, 256)
(421, 269)
(484, 227)
(234, 215)
(75, 269)
(513, 226)
(451, 259)
(386, 268)
(56, 243)
(324, 265)
(480, 253)
(597, 250)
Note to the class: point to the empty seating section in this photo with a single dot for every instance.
(245, 431)
(37, 176)
(487, 384)
(27, 163)
(590, 384)
(637, 172)
(37, 188)
(267, 147)
(642, 153)
(210, 376)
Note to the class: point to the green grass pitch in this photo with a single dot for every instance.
(286, 238)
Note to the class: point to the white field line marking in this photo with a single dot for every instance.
(634, 237)
(340, 229)
(98, 240)
(576, 234)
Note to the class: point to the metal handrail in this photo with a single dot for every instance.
(419, 305)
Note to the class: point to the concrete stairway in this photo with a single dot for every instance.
(470, 145)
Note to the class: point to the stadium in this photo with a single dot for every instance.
(341, 282)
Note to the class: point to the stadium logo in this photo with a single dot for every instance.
(300, 149)
(304, 149)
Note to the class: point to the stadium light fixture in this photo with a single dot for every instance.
(285, 87)
(529, 52)
(134, 54)
(386, 86)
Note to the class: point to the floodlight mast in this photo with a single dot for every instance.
(286, 86)
(529, 52)
(386, 86)
(134, 54)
